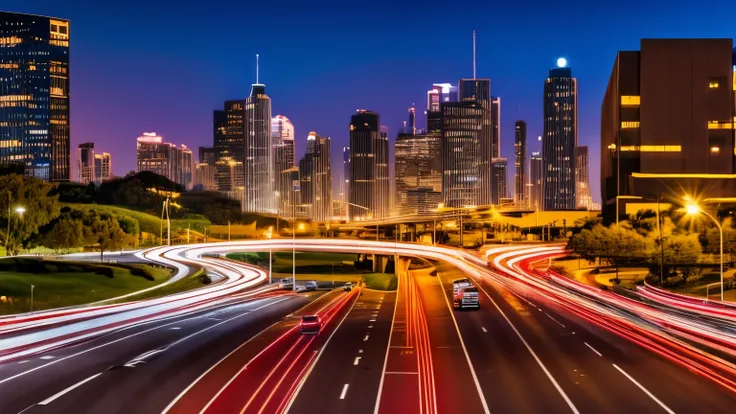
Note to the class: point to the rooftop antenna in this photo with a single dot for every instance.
(257, 69)
(473, 54)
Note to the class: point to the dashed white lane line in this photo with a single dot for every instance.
(357, 360)
(24, 361)
(366, 338)
(47, 357)
(593, 349)
(370, 326)
(484, 329)
(65, 391)
(175, 328)
(360, 351)
(344, 391)
(372, 320)
(646, 391)
(558, 322)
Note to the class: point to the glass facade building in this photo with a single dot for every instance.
(418, 165)
(34, 95)
(369, 175)
(284, 159)
(499, 168)
(559, 140)
(520, 162)
(479, 91)
(462, 125)
(259, 159)
(536, 181)
(315, 174)
(162, 158)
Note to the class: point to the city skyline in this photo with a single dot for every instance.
(398, 67)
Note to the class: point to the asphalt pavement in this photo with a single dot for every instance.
(139, 369)
(346, 376)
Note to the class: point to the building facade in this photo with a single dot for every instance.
(86, 163)
(207, 155)
(462, 123)
(316, 179)
(204, 177)
(560, 139)
(499, 174)
(417, 165)
(284, 151)
(496, 127)
(219, 133)
(536, 181)
(585, 201)
(103, 167)
(667, 121)
(162, 158)
(520, 162)
(259, 160)
(229, 178)
(369, 175)
(34, 95)
(479, 91)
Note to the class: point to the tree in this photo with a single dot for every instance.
(40, 208)
(105, 233)
(66, 232)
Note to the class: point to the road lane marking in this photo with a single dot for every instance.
(558, 322)
(400, 373)
(344, 391)
(357, 359)
(370, 326)
(482, 397)
(531, 351)
(67, 390)
(366, 337)
(593, 349)
(360, 351)
(175, 328)
(484, 329)
(24, 361)
(388, 347)
(47, 357)
(311, 367)
(372, 320)
(646, 391)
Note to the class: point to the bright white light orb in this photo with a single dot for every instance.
(561, 62)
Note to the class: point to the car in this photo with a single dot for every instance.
(287, 283)
(310, 325)
(348, 286)
(311, 286)
(466, 297)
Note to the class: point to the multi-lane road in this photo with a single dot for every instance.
(525, 350)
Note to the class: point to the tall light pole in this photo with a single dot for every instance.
(694, 209)
(32, 287)
(269, 234)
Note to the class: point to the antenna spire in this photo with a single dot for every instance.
(257, 69)
(474, 59)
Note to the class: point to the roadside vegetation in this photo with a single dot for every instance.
(64, 283)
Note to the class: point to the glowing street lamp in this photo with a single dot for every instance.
(693, 209)
(269, 234)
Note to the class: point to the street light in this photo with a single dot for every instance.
(269, 234)
(693, 210)
(19, 211)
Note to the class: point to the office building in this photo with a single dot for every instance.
(499, 172)
(560, 138)
(284, 151)
(585, 201)
(440, 93)
(345, 184)
(520, 162)
(423, 201)
(204, 177)
(162, 158)
(667, 122)
(219, 133)
(207, 155)
(34, 95)
(536, 181)
(316, 179)
(86, 163)
(496, 127)
(229, 178)
(368, 176)
(417, 165)
(230, 135)
(479, 91)
(258, 160)
(103, 167)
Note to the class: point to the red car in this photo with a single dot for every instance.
(310, 325)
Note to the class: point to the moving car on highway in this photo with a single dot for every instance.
(348, 286)
(287, 283)
(310, 325)
(464, 294)
(312, 285)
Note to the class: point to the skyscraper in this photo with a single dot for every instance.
(560, 138)
(584, 202)
(284, 159)
(103, 167)
(219, 133)
(86, 163)
(499, 173)
(234, 133)
(316, 178)
(520, 161)
(461, 127)
(440, 93)
(259, 160)
(204, 177)
(207, 155)
(667, 121)
(162, 158)
(345, 185)
(418, 165)
(34, 94)
(496, 125)
(536, 181)
(229, 178)
(369, 180)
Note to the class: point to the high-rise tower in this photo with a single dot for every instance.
(369, 183)
(284, 150)
(520, 161)
(34, 94)
(316, 178)
(560, 138)
(258, 150)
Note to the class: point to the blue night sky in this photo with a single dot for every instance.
(165, 65)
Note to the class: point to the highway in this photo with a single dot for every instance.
(535, 345)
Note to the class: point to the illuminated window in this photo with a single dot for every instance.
(629, 124)
(715, 150)
(627, 100)
(713, 84)
(651, 148)
(720, 125)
